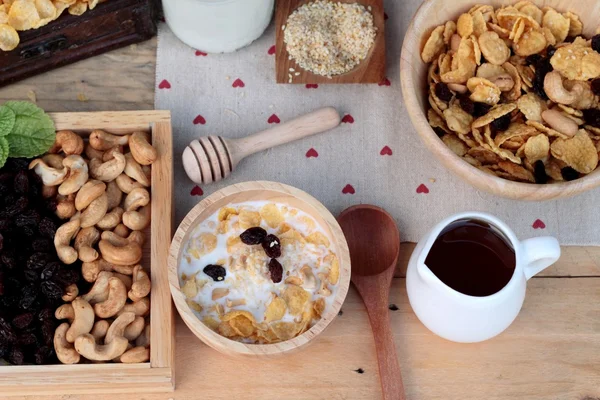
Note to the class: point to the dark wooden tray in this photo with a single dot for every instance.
(112, 24)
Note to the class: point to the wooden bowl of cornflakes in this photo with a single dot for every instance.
(563, 160)
(258, 269)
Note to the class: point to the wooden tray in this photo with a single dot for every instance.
(112, 24)
(157, 375)
(370, 70)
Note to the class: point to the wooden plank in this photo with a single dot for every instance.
(575, 261)
(552, 351)
(370, 70)
(120, 80)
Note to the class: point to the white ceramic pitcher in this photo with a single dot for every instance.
(467, 319)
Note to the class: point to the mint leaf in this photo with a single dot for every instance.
(3, 151)
(7, 120)
(33, 133)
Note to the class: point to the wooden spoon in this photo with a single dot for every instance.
(374, 243)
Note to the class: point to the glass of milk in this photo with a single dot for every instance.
(218, 26)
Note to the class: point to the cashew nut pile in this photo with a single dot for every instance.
(102, 189)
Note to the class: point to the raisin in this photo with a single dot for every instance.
(439, 131)
(21, 182)
(1, 283)
(253, 236)
(42, 354)
(1, 241)
(502, 123)
(481, 109)
(216, 272)
(272, 246)
(7, 335)
(22, 321)
(8, 259)
(596, 43)
(443, 92)
(45, 315)
(533, 59)
(592, 117)
(52, 290)
(48, 332)
(47, 228)
(596, 86)
(50, 270)
(467, 105)
(17, 207)
(16, 356)
(275, 270)
(539, 172)
(28, 297)
(550, 50)
(42, 245)
(26, 339)
(569, 174)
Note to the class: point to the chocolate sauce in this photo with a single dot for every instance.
(472, 257)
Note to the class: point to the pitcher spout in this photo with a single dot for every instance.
(425, 274)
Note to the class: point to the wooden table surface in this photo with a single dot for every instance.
(551, 352)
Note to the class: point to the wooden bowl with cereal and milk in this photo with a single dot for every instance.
(258, 269)
(506, 94)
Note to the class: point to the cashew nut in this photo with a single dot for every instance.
(95, 211)
(65, 311)
(504, 82)
(49, 192)
(119, 241)
(139, 308)
(71, 292)
(62, 239)
(129, 254)
(138, 220)
(127, 281)
(109, 170)
(65, 206)
(134, 170)
(54, 160)
(50, 176)
(553, 86)
(114, 195)
(141, 284)
(91, 271)
(148, 172)
(135, 356)
(134, 329)
(99, 292)
(87, 347)
(99, 330)
(144, 339)
(101, 140)
(65, 352)
(137, 237)
(109, 154)
(126, 184)
(84, 242)
(92, 153)
(310, 282)
(138, 197)
(124, 269)
(68, 142)
(559, 122)
(121, 230)
(117, 328)
(583, 92)
(111, 219)
(117, 296)
(89, 192)
(83, 322)
(141, 149)
(458, 88)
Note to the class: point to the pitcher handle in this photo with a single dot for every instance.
(538, 254)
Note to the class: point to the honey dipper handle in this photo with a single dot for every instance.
(310, 124)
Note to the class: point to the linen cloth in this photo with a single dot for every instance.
(374, 157)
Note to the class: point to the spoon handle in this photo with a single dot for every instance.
(301, 127)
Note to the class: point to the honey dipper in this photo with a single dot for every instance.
(212, 158)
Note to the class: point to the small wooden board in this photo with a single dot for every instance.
(159, 374)
(370, 70)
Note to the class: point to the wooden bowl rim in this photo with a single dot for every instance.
(472, 175)
(232, 347)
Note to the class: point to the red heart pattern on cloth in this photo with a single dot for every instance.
(164, 84)
(385, 82)
(386, 151)
(422, 189)
(201, 53)
(197, 191)
(312, 153)
(274, 119)
(271, 50)
(348, 189)
(348, 119)
(199, 120)
(312, 86)
(538, 224)
(238, 83)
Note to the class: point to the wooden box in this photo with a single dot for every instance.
(157, 375)
(112, 24)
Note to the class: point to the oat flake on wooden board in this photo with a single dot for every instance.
(374, 157)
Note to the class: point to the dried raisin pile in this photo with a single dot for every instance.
(32, 279)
